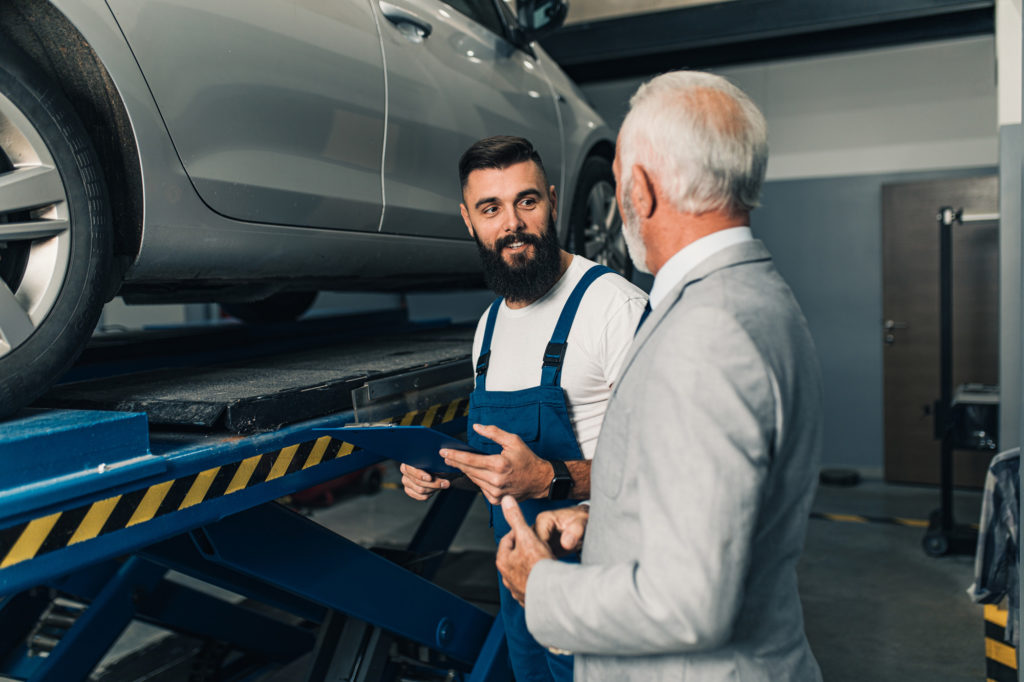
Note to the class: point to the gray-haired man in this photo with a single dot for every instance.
(707, 461)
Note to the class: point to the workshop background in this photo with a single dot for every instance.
(879, 113)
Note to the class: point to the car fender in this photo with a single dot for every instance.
(583, 129)
(159, 164)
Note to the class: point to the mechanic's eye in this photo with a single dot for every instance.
(528, 203)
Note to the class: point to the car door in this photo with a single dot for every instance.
(275, 107)
(453, 78)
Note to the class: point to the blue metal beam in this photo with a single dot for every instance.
(492, 665)
(439, 527)
(179, 608)
(275, 464)
(98, 628)
(288, 550)
(180, 554)
(18, 614)
(187, 482)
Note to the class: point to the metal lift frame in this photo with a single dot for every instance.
(107, 532)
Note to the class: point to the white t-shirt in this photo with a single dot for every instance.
(600, 336)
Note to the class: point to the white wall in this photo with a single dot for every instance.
(1008, 64)
(922, 107)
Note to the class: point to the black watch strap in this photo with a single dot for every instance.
(561, 483)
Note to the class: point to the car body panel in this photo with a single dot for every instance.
(461, 83)
(186, 246)
(276, 108)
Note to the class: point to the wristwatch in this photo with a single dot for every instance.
(561, 484)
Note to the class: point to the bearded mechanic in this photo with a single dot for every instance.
(547, 353)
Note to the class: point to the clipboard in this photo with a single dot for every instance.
(415, 445)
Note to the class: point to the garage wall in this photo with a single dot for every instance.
(826, 238)
(839, 128)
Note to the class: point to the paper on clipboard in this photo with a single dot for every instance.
(415, 445)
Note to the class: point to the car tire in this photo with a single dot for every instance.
(284, 306)
(55, 233)
(595, 228)
(372, 481)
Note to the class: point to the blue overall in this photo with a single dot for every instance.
(540, 417)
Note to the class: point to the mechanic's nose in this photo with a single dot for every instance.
(517, 223)
(513, 223)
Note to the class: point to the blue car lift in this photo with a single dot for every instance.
(96, 509)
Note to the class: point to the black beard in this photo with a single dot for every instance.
(525, 279)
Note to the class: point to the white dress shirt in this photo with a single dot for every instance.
(678, 266)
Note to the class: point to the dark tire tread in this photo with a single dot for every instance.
(28, 370)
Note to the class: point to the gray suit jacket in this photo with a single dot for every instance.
(701, 487)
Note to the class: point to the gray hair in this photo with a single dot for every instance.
(701, 136)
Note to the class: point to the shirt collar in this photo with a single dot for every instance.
(679, 266)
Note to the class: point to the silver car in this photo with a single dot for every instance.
(253, 152)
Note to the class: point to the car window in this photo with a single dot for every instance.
(481, 11)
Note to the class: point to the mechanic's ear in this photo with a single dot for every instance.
(465, 219)
(553, 196)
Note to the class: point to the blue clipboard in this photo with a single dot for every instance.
(415, 445)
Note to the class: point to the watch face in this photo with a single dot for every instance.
(560, 488)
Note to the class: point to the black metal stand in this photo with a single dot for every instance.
(944, 535)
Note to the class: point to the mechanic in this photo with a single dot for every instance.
(708, 460)
(547, 353)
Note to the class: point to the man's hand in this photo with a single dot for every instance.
(519, 551)
(514, 471)
(562, 529)
(420, 485)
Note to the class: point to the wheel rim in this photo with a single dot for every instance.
(602, 232)
(35, 229)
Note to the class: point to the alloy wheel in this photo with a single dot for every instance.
(35, 229)
(603, 241)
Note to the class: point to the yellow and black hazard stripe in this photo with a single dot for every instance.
(79, 524)
(860, 518)
(1000, 657)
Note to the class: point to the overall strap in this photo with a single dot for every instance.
(485, 345)
(554, 355)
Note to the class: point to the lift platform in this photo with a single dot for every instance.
(98, 506)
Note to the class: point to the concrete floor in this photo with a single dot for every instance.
(876, 607)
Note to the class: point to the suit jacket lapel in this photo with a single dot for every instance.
(738, 254)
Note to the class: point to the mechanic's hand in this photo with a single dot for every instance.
(519, 551)
(514, 471)
(419, 484)
(562, 529)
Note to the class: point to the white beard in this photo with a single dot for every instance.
(631, 231)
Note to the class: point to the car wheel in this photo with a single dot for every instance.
(372, 481)
(55, 234)
(595, 228)
(284, 306)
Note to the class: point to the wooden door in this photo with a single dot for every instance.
(910, 324)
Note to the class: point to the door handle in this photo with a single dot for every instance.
(890, 327)
(399, 16)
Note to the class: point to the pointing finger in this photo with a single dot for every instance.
(514, 515)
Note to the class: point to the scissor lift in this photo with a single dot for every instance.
(96, 509)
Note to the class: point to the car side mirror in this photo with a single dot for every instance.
(538, 18)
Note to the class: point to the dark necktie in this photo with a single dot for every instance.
(647, 311)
